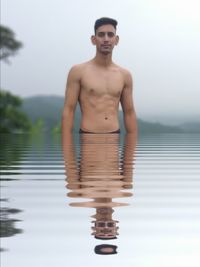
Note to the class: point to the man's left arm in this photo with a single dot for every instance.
(126, 100)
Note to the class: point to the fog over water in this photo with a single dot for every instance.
(159, 44)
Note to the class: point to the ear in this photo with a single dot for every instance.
(117, 40)
(93, 39)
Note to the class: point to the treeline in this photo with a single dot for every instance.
(11, 118)
(14, 120)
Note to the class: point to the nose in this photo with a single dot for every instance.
(106, 37)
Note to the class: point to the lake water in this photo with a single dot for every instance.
(100, 201)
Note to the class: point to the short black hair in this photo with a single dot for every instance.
(104, 21)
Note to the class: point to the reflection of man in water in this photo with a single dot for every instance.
(99, 85)
(105, 227)
(102, 174)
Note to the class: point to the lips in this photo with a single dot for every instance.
(106, 46)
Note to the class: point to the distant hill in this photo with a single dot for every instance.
(49, 108)
(190, 127)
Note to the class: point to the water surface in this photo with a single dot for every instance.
(141, 200)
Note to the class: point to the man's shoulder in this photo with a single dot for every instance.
(78, 69)
(80, 66)
(123, 70)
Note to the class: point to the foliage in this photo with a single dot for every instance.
(57, 129)
(47, 108)
(8, 44)
(38, 127)
(11, 118)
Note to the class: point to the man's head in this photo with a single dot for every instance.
(105, 37)
(104, 21)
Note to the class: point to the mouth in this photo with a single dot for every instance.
(106, 46)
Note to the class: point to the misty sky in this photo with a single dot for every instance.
(159, 44)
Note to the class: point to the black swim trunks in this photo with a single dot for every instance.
(86, 132)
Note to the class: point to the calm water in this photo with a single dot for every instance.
(100, 194)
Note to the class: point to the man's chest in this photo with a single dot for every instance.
(98, 84)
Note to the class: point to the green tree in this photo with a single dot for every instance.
(8, 44)
(38, 127)
(11, 118)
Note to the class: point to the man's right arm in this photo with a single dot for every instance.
(71, 99)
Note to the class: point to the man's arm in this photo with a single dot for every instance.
(71, 99)
(130, 120)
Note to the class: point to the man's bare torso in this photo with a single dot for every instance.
(99, 97)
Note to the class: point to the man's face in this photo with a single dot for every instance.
(105, 39)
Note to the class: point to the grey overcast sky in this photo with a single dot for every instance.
(159, 44)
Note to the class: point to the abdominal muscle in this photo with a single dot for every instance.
(100, 116)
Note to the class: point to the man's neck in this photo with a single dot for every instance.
(103, 60)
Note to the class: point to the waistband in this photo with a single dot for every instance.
(86, 132)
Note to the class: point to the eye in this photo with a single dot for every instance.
(101, 34)
(111, 34)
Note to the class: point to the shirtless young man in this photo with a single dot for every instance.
(99, 85)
